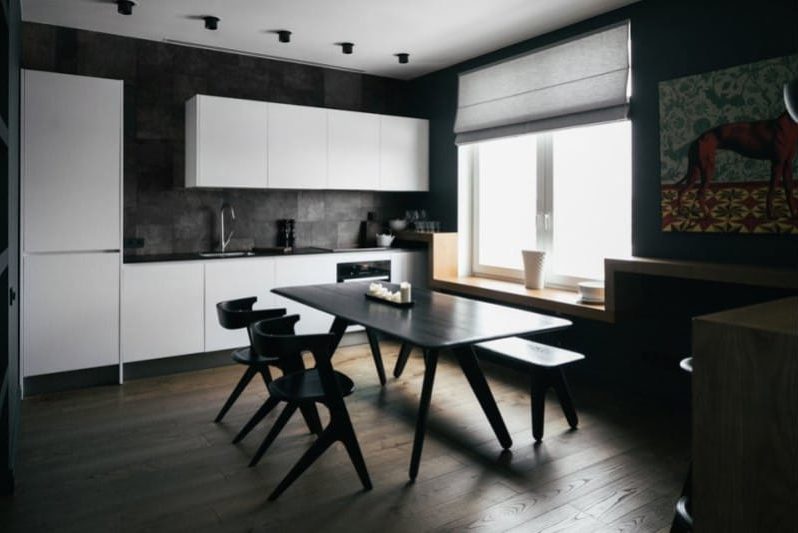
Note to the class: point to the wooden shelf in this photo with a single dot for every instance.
(554, 300)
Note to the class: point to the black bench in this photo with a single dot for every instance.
(544, 364)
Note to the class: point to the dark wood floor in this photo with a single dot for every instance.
(147, 457)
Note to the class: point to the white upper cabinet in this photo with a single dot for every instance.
(226, 142)
(297, 147)
(234, 143)
(71, 162)
(404, 154)
(354, 150)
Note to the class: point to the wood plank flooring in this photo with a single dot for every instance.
(147, 456)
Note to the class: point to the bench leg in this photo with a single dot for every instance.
(564, 394)
(539, 384)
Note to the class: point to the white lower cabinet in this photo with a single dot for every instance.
(169, 309)
(162, 310)
(70, 312)
(229, 280)
(305, 270)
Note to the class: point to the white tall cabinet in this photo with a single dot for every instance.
(71, 153)
(70, 317)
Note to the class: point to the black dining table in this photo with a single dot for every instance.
(434, 323)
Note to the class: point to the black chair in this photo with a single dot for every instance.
(545, 365)
(317, 385)
(683, 516)
(238, 314)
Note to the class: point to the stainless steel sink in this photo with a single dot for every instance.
(225, 254)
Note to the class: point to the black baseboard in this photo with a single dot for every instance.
(109, 375)
(176, 365)
(77, 379)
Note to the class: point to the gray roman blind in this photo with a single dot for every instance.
(575, 82)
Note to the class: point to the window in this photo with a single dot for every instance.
(567, 192)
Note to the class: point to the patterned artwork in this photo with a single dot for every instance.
(728, 151)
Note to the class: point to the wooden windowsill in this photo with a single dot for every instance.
(554, 300)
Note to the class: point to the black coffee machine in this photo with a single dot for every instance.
(286, 235)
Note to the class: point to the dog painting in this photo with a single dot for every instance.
(728, 151)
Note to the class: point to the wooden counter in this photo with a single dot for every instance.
(554, 300)
(745, 418)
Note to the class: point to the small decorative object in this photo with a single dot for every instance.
(591, 292)
(384, 239)
(727, 142)
(405, 290)
(534, 268)
(381, 293)
(397, 224)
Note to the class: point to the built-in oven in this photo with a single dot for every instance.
(364, 271)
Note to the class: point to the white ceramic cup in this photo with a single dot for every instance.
(534, 268)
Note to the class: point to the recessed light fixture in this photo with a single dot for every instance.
(211, 22)
(347, 47)
(284, 36)
(404, 57)
(125, 7)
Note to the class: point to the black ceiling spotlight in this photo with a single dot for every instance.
(404, 57)
(125, 7)
(284, 36)
(211, 22)
(347, 47)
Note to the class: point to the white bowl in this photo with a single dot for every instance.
(591, 291)
(384, 239)
(397, 224)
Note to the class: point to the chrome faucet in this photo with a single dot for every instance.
(224, 242)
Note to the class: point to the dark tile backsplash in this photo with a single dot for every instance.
(159, 78)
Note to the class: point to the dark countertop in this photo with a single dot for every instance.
(160, 258)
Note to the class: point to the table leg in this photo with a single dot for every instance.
(430, 363)
(468, 362)
(401, 361)
(374, 342)
(338, 329)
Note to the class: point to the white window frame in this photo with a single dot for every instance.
(544, 218)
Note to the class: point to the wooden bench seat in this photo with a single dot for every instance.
(545, 366)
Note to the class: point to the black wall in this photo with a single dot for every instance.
(670, 39)
(159, 78)
(9, 239)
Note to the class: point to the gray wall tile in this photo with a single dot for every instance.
(159, 78)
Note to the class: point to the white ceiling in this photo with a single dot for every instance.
(436, 33)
